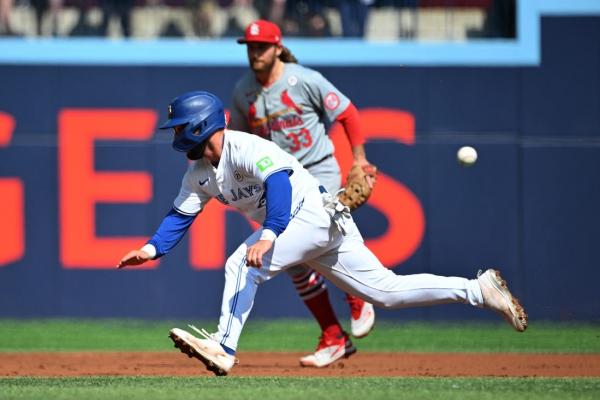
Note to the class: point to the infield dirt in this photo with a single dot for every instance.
(286, 364)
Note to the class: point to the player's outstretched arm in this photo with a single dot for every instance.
(134, 257)
(168, 234)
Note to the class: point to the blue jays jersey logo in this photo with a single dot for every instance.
(245, 192)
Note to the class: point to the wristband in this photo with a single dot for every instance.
(268, 234)
(150, 249)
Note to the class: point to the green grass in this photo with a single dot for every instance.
(163, 388)
(299, 335)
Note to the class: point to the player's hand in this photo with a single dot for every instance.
(255, 253)
(134, 257)
(370, 171)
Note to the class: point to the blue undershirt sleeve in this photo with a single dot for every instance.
(172, 228)
(278, 194)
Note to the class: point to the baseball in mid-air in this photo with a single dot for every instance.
(466, 156)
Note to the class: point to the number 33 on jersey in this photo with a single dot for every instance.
(290, 112)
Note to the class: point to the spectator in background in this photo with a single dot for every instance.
(203, 12)
(239, 13)
(305, 18)
(120, 8)
(409, 24)
(172, 29)
(41, 7)
(353, 14)
(296, 18)
(500, 19)
(5, 11)
(88, 24)
(271, 10)
(317, 26)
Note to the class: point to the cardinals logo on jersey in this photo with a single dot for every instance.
(287, 100)
(288, 117)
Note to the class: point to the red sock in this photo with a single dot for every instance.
(321, 309)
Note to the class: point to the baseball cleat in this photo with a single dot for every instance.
(329, 350)
(497, 297)
(208, 351)
(362, 316)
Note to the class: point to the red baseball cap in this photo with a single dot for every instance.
(261, 31)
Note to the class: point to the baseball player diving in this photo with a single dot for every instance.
(301, 223)
(289, 104)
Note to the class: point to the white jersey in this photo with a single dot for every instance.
(246, 163)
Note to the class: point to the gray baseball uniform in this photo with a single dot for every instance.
(293, 112)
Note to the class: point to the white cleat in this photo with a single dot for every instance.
(329, 350)
(497, 297)
(208, 351)
(362, 316)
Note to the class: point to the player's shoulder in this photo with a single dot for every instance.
(241, 142)
(303, 77)
(244, 148)
(244, 84)
(241, 139)
(238, 141)
(302, 72)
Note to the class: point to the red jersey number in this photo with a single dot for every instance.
(300, 139)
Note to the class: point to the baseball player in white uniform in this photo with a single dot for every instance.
(301, 223)
(279, 100)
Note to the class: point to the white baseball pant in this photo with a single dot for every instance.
(329, 175)
(312, 238)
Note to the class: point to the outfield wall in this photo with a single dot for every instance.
(85, 176)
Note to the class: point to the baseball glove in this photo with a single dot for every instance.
(357, 189)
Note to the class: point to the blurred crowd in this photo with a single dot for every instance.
(218, 18)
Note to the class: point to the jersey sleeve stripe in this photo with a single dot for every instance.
(278, 170)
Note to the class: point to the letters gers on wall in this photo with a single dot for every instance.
(85, 176)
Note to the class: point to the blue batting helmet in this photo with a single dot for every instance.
(201, 113)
